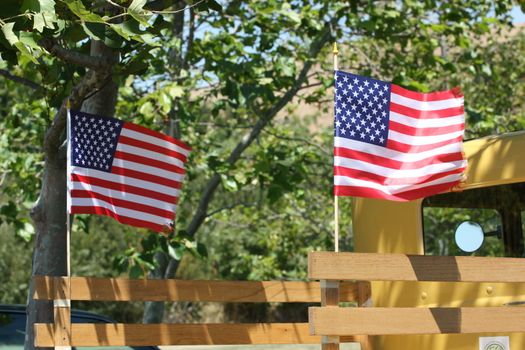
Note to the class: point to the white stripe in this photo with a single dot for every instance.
(124, 196)
(395, 155)
(392, 189)
(398, 173)
(426, 105)
(422, 140)
(427, 123)
(127, 164)
(130, 213)
(150, 154)
(126, 180)
(153, 140)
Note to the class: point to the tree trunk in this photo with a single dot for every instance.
(49, 255)
(104, 101)
(49, 212)
(154, 311)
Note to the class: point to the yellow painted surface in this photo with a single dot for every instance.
(394, 227)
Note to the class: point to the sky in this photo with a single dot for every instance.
(517, 15)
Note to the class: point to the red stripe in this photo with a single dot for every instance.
(387, 181)
(149, 161)
(141, 129)
(145, 145)
(403, 196)
(146, 177)
(432, 96)
(419, 114)
(122, 219)
(406, 148)
(395, 164)
(124, 188)
(425, 131)
(124, 203)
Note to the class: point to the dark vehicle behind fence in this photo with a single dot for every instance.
(13, 324)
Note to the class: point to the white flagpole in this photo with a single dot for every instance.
(62, 298)
(335, 52)
(68, 200)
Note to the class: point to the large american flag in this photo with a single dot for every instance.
(123, 170)
(395, 144)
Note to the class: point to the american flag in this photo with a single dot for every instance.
(123, 170)
(395, 144)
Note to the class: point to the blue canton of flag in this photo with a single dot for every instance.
(361, 108)
(93, 140)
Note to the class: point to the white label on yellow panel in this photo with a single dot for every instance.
(494, 343)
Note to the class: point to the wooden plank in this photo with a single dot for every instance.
(330, 298)
(118, 334)
(62, 311)
(401, 267)
(62, 326)
(115, 289)
(400, 321)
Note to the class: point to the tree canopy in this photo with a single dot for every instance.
(231, 79)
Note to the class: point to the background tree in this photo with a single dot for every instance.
(258, 190)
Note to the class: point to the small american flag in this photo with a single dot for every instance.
(395, 144)
(123, 170)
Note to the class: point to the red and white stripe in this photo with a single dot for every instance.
(423, 155)
(143, 187)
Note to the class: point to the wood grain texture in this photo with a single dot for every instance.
(114, 289)
(62, 311)
(118, 334)
(329, 297)
(401, 267)
(62, 324)
(401, 321)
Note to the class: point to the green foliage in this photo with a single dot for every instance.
(211, 74)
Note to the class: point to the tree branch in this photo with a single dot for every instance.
(91, 81)
(69, 56)
(266, 117)
(23, 81)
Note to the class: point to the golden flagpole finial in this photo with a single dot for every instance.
(68, 104)
(335, 51)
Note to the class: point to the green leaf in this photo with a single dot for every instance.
(26, 232)
(214, 5)
(202, 250)
(95, 31)
(28, 38)
(174, 90)
(136, 11)
(176, 250)
(11, 37)
(135, 272)
(78, 8)
(7, 29)
(130, 30)
(229, 183)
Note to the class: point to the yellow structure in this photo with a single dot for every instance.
(393, 227)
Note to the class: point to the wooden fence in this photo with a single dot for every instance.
(332, 321)
(63, 333)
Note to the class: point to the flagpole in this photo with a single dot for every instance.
(335, 52)
(68, 201)
(62, 293)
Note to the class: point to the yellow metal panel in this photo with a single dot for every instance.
(495, 160)
(394, 227)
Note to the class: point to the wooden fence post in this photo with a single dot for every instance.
(330, 297)
(62, 312)
(364, 295)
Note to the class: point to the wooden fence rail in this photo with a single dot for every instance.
(64, 289)
(331, 322)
